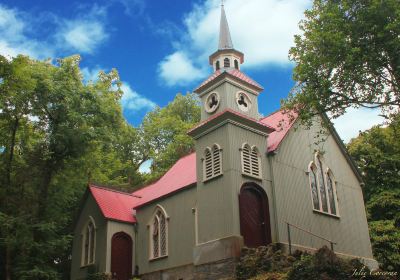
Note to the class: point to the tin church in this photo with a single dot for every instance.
(249, 179)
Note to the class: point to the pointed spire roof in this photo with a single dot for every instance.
(225, 41)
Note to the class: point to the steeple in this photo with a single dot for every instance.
(225, 41)
(226, 57)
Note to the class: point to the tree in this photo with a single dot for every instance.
(164, 132)
(347, 56)
(377, 154)
(52, 126)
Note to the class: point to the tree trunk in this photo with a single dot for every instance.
(11, 155)
(8, 263)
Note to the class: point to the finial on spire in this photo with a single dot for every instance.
(225, 41)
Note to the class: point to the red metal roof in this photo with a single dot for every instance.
(181, 174)
(282, 122)
(233, 72)
(114, 205)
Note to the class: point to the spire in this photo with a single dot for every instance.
(225, 41)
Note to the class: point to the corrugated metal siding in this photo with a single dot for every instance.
(181, 235)
(218, 211)
(227, 93)
(293, 197)
(90, 209)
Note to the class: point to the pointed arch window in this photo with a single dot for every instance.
(88, 243)
(251, 161)
(323, 188)
(227, 62)
(236, 64)
(212, 162)
(217, 66)
(159, 234)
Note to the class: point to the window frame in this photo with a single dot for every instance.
(214, 174)
(150, 225)
(92, 237)
(325, 172)
(259, 161)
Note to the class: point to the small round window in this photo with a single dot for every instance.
(212, 102)
(243, 101)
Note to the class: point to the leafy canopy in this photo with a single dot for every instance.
(348, 55)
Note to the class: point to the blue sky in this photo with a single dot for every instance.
(161, 47)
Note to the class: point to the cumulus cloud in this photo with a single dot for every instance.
(262, 29)
(177, 69)
(133, 101)
(83, 34)
(353, 121)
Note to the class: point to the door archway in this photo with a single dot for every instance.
(255, 226)
(121, 256)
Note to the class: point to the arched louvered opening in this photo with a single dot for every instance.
(208, 164)
(251, 161)
(212, 162)
(159, 234)
(217, 66)
(255, 162)
(236, 64)
(227, 63)
(217, 168)
(246, 161)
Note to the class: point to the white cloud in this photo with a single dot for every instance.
(177, 69)
(133, 101)
(262, 29)
(145, 166)
(353, 121)
(90, 74)
(83, 34)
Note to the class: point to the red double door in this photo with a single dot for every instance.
(121, 256)
(254, 216)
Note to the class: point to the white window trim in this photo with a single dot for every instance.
(213, 171)
(83, 239)
(212, 110)
(150, 227)
(251, 148)
(325, 170)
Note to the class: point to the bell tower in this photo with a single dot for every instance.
(230, 144)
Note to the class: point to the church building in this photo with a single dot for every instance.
(251, 181)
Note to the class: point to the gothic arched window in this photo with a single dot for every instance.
(159, 234)
(88, 242)
(227, 63)
(323, 188)
(212, 162)
(217, 65)
(251, 161)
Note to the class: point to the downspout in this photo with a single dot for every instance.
(269, 156)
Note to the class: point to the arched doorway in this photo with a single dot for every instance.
(255, 224)
(121, 256)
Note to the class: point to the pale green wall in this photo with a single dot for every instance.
(181, 234)
(90, 208)
(218, 203)
(227, 92)
(293, 197)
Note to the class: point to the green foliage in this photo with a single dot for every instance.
(377, 153)
(385, 237)
(348, 55)
(164, 132)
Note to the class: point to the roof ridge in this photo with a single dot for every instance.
(111, 190)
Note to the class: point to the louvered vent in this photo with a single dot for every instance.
(255, 164)
(246, 162)
(208, 165)
(216, 161)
